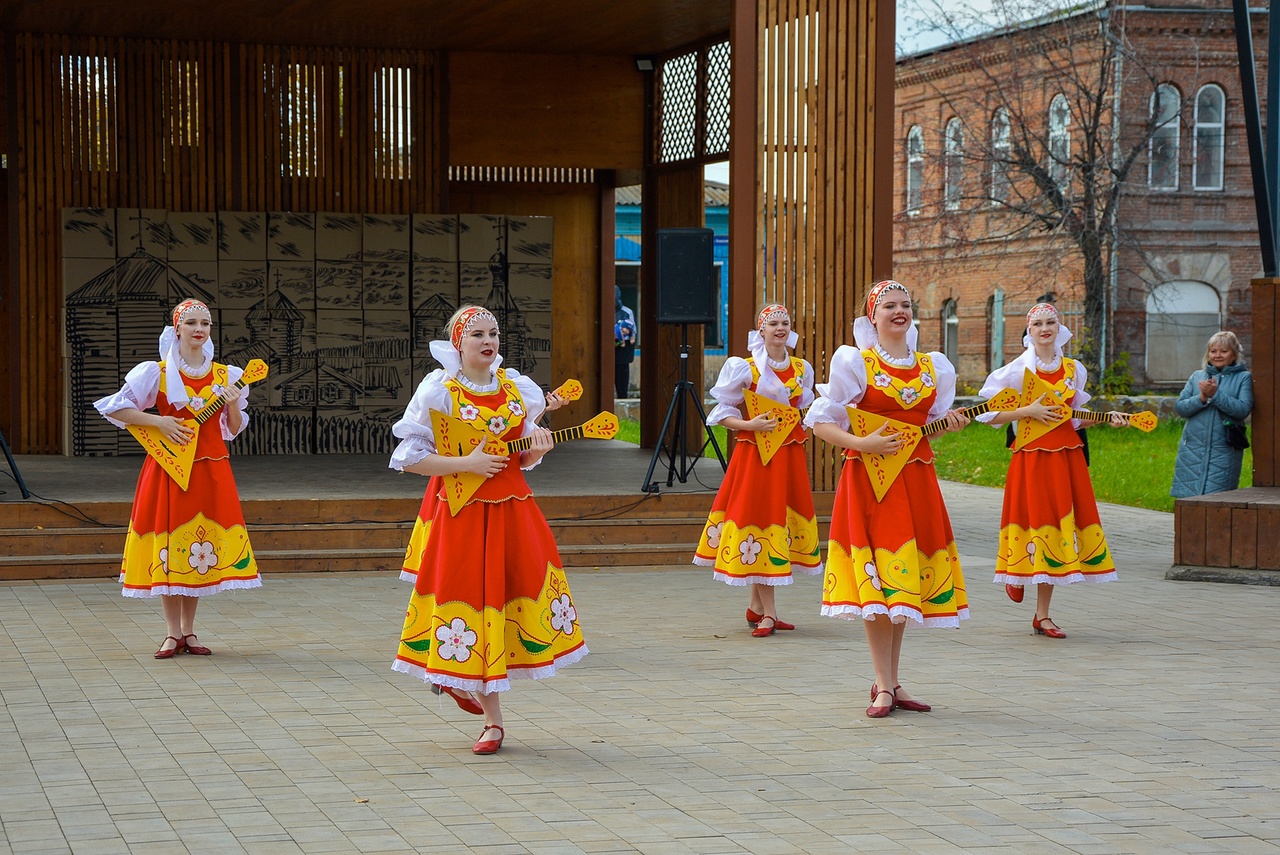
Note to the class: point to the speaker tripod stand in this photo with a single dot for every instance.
(680, 436)
(13, 467)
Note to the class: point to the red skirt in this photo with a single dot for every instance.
(896, 556)
(762, 524)
(490, 600)
(187, 543)
(1050, 532)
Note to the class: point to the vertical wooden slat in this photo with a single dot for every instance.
(115, 144)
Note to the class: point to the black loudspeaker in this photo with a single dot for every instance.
(686, 276)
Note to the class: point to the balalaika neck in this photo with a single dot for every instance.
(938, 425)
(211, 409)
(525, 442)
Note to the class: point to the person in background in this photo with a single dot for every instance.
(1215, 402)
(184, 544)
(1050, 533)
(762, 524)
(625, 335)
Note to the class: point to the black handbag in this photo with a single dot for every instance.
(1237, 437)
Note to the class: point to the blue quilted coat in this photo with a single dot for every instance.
(1206, 464)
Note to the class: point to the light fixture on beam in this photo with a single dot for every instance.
(644, 63)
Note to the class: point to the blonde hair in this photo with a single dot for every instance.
(1228, 338)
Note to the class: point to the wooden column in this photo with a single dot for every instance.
(744, 174)
(1266, 384)
(824, 169)
(672, 199)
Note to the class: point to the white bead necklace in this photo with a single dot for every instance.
(491, 386)
(900, 361)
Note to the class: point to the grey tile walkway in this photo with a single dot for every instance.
(1152, 728)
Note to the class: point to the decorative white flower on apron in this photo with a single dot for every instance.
(908, 394)
(750, 548)
(1031, 550)
(468, 412)
(883, 379)
(870, 569)
(455, 640)
(713, 535)
(563, 614)
(164, 559)
(497, 425)
(202, 556)
(515, 408)
(926, 380)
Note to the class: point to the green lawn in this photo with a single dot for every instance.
(1128, 467)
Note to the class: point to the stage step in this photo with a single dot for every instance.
(43, 541)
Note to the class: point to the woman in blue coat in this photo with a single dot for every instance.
(1221, 392)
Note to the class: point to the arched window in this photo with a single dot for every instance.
(1211, 120)
(953, 166)
(1000, 152)
(995, 326)
(1180, 318)
(1162, 165)
(1059, 139)
(950, 332)
(915, 169)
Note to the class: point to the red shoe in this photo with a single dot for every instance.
(1038, 624)
(1015, 592)
(195, 648)
(913, 706)
(465, 700)
(489, 746)
(763, 631)
(874, 711)
(179, 646)
(753, 620)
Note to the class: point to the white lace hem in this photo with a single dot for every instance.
(183, 591)
(898, 614)
(744, 581)
(1046, 579)
(478, 686)
(406, 576)
(704, 562)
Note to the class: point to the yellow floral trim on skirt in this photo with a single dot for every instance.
(196, 558)
(455, 645)
(413, 552)
(929, 589)
(760, 556)
(1056, 555)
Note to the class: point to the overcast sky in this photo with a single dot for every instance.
(909, 37)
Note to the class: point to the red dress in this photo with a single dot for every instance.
(1050, 531)
(762, 524)
(490, 599)
(896, 556)
(193, 542)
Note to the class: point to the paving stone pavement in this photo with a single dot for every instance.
(1151, 728)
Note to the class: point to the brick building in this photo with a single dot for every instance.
(980, 240)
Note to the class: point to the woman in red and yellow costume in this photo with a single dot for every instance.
(1050, 533)
(762, 524)
(184, 544)
(490, 600)
(892, 560)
